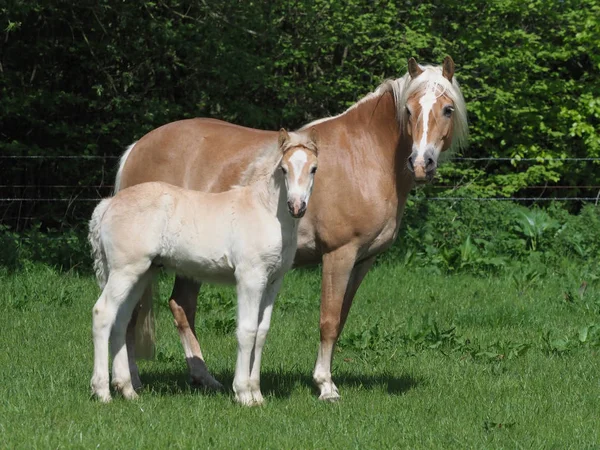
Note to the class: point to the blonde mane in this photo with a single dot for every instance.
(268, 160)
(262, 167)
(403, 88)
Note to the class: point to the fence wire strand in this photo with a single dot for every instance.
(71, 200)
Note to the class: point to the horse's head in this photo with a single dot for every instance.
(434, 115)
(299, 165)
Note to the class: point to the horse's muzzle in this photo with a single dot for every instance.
(423, 167)
(297, 209)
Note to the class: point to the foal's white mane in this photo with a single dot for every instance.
(266, 163)
(405, 87)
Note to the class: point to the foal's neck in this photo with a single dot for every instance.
(269, 191)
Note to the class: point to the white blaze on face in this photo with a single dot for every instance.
(426, 102)
(297, 162)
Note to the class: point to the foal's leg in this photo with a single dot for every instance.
(121, 379)
(341, 279)
(102, 319)
(105, 312)
(264, 322)
(183, 306)
(251, 285)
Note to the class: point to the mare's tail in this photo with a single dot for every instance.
(98, 253)
(145, 334)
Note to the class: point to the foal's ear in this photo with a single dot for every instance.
(413, 68)
(283, 137)
(448, 68)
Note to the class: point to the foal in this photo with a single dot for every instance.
(246, 236)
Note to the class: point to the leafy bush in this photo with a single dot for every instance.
(80, 78)
(487, 236)
(64, 250)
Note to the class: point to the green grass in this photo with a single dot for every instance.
(426, 361)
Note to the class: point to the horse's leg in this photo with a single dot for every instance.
(104, 314)
(121, 379)
(130, 342)
(102, 319)
(250, 289)
(358, 274)
(183, 304)
(341, 278)
(264, 323)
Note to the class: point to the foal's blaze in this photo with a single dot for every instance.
(429, 113)
(299, 165)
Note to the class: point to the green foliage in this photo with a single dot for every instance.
(484, 237)
(80, 78)
(65, 250)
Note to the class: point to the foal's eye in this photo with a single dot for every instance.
(448, 111)
(313, 170)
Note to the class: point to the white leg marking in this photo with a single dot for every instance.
(122, 380)
(322, 374)
(250, 289)
(266, 309)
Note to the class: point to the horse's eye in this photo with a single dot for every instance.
(408, 113)
(313, 170)
(448, 111)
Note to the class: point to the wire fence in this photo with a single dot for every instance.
(24, 202)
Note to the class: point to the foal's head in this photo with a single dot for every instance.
(299, 165)
(434, 115)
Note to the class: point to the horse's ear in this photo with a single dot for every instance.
(448, 68)
(313, 135)
(413, 68)
(283, 137)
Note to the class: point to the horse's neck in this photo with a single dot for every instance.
(373, 122)
(269, 191)
(376, 118)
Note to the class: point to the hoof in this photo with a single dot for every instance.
(247, 399)
(129, 394)
(102, 397)
(126, 389)
(210, 384)
(330, 397)
(136, 383)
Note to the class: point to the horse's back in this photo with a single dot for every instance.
(201, 154)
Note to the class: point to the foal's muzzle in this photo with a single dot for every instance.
(297, 208)
(422, 167)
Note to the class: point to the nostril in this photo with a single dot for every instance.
(303, 206)
(290, 205)
(410, 163)
(430, 162)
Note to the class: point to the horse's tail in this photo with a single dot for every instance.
(98, 253)
(145, 335)
(121, 165)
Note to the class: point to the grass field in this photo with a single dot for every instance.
(426, 361)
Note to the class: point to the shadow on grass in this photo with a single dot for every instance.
(279, 384)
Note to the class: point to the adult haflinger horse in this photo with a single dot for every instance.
(371, 155)
(245, 236)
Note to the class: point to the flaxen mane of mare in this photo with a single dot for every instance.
(370, 157)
